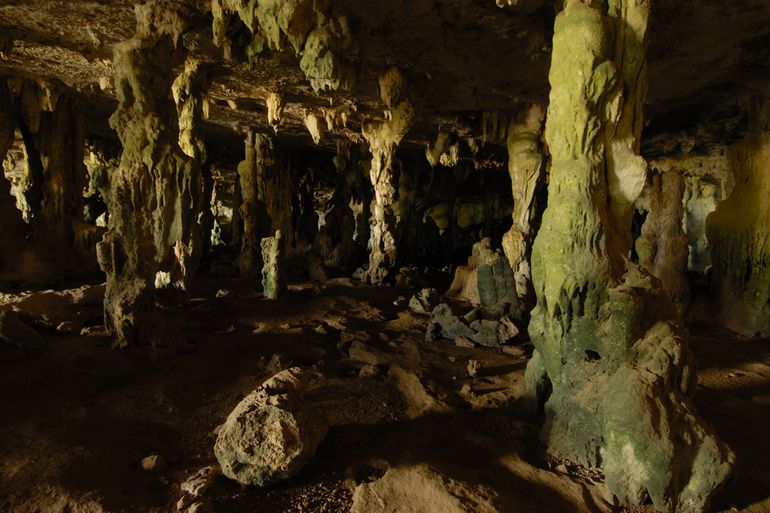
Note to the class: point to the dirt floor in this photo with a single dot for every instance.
(77, 419)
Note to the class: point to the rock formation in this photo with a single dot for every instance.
(383, 138)
(606, 338)
(273, 272)
(662, 247)
(738, 234)
(525, 167)
(156, 192)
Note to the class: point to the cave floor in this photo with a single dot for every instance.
(77, 419)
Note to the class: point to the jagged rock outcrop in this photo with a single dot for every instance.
(662, 247)
(525, 167)
(617, 360)
(156, 193)
(383, 138)
(738, 234)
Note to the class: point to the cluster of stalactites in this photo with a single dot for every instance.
(322, 37)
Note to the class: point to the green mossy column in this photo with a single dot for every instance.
(156, 191)
(618, 363)
(738, 232)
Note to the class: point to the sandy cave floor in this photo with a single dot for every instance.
(76, 420)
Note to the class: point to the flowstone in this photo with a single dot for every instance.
(617, 360)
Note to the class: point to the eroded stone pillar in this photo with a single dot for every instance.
(738, 233)
(617, 360)
(663, 246)
(383, 138)
(525, 167)
(156, 191)
(273, 277)
(259, 161)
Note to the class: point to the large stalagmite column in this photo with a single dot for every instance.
(525, 166)
(738, 233)
(383, 139)
(156, 191)
(617, 359)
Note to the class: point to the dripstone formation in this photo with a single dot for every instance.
(398, 241)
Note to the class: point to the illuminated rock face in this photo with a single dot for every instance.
(738, 234)
(606, 338)
(156, 193)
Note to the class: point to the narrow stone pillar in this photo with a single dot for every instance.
(156, 191)
(273, 277)
(383, 138)
(620, 370)
(738, 234)
(663, 247)
(11, 223)
(253, 210)
(525, 167)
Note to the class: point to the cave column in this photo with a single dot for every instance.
(257, 224)
(156, 191)
(663, 247)
(738, 233)
(383, 138)
(618, 363)
(525, 167)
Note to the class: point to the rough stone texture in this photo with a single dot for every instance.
(662, 246)
(253, 210)
(708, 181)
(17, 333)
(383, 138)
(421, 489)
(618, 362)
(487, 328)
(156, 192)
(738, 234)
(487, 280)
(525, 167)
(273, 272)
(272, 433)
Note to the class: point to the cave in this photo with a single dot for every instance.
(414, 256)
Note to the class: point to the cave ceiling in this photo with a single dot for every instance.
(461, 58)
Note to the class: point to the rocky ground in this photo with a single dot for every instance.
(81, 422)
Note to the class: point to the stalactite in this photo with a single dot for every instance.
(739, 233)
(618, 362)
(11, 223)
(383, 138)
(525, 167)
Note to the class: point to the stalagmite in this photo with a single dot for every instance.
(618, 362)
(273, 280)
(525, 166)
(739, 233)
(156, 191)
(383, 138)
(663, 246)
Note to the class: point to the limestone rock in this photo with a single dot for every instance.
(273, 280)
(424, 301)
(421, 489)
(270, 435)
(486, 280)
